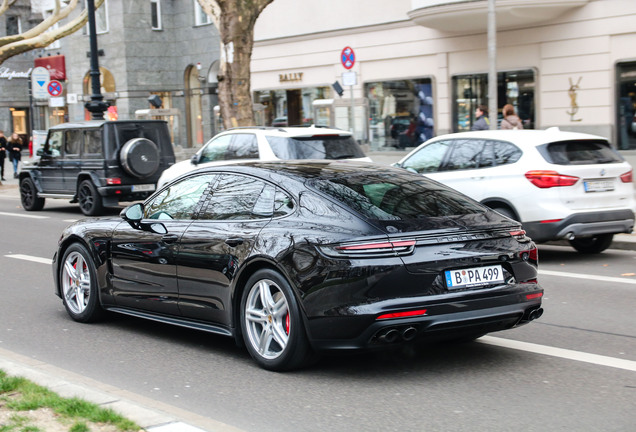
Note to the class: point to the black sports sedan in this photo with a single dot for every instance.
(295, 258)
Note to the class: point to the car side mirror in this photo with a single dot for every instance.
(133, 213)
(195, 159)
(158, 228)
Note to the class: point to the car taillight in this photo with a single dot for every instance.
(376, 249)
(402, 314)
(548, 179)
(113, 181)
(628, 177)
(530, 255)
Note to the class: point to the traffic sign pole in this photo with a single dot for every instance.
(348, 59)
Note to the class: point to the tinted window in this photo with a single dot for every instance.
(151, 131)
(580, 153)
(240, 197)
(73, 142)
(428, 158)
(179, 201)
(465, 154)
(215, 149)
(395, 196)
(505, 153)
(283, 204)
(242, 146)
(53, 146)
(93, 144)
(316, 147)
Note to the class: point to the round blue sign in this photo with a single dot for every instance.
(348, 57)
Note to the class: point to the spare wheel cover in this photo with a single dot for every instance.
(140, 157)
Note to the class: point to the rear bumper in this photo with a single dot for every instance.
(582, 225)
(123, 192)
(445, 319)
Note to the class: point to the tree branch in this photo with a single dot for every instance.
(45, 38)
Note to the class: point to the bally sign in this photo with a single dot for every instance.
(290, 77)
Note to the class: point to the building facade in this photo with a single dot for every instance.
(146, 47)
(570, 64)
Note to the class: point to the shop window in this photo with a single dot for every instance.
(194, 107)
(401, 112)
(515, 88)
(626, 106)
(107, 89)
(293, 107)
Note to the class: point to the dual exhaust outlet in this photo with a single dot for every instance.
(394, 334)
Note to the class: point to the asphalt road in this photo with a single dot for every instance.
(572, 370)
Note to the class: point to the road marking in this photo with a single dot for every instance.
(560, 352)
(587, 276)
(23, 215)
(48, 261)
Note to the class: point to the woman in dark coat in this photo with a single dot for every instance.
(14, 145)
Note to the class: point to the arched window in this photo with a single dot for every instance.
(194, 112)
(107, 89)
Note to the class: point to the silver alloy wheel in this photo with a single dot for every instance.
(267, 319)
(76, 282)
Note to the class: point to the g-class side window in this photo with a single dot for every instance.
(53, 145)
(92, 144)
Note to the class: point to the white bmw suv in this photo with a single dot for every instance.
(268, 144)
(560, 185)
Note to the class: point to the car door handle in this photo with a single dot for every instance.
(170, 238)
(234, 241)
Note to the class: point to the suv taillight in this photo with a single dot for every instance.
(113, 181)
(628, 177)
(548, 179)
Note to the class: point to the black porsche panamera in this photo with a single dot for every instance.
(295, 258)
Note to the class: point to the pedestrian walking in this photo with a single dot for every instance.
(481, 118)
(15, 152)
(510, 119)
(3, 153)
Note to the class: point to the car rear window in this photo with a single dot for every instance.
(315, 147)
(580, 152)
(396, 196)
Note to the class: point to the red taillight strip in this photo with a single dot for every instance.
(548, 179)
(628, 177)
(402, 314)
(383, 245)
(534, 296)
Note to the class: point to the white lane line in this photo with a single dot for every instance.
(40, 260)
(588, 276)
(23, 215)
(70, 220)
(562, 353)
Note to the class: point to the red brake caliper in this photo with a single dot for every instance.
(287, 323)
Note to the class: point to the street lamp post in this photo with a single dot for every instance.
(96, 106)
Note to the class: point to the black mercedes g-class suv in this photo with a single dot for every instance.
(98, 163)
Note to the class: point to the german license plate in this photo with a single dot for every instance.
(472, 277)
(143, 187)
(598, 185)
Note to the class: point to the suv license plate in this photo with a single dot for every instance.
(143, 187)
(471, 277)
(598, 185)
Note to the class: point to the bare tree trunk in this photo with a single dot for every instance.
(235, 20)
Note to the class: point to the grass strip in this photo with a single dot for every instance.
(20, 394)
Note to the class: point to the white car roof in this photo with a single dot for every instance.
(286, 131)
(530, 137)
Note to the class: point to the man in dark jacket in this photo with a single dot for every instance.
(481, 122)
(3, 153)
